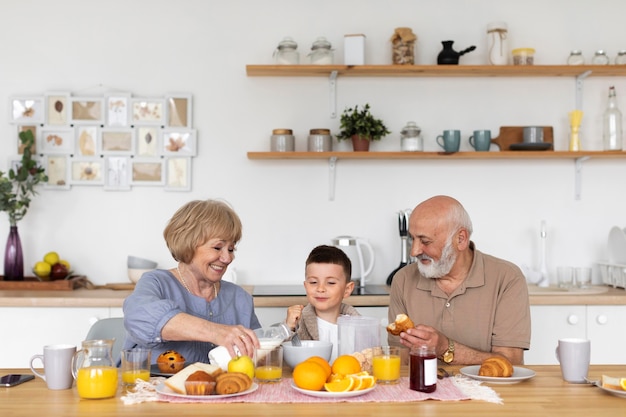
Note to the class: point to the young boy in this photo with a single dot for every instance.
(327, 282)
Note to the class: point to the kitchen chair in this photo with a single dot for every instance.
(111, 328)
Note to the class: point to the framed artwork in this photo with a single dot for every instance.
(58, 171)
(178, 174)
(147, 139)
(148, 111)
(86, 140)
(178, 110)
(24, 128)
(117, 176)
(56, 141)
(87, 171)
(116, 141)
(117, 109)
(87, 110)
(26, 110)
(179, 142)
(57, 108)
(147, 172)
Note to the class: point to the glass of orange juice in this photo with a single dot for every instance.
(135, 365)
(386, 364)
(268, 364)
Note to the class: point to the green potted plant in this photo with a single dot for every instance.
(361, 126)
(17, 188)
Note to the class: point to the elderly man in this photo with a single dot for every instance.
(466, 304)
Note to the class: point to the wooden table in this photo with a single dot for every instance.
(544, 395)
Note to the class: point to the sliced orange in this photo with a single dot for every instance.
(622, 382)
(341, 385)
(365, 382)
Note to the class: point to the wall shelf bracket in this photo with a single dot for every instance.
(579, 89)
(332, 84)
(332, 165)
(578, 165)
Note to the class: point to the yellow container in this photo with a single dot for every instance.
(523, 56)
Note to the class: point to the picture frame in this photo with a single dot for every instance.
(147, 141)
(178, 111)
(58, 171)
(178, 174)
(26, 110)
(178, 142)
(117, 176)
(24, 128)
(87, 110)
(117, 106)
(87, 171)
(147, 171)
(147, 111)
(56, 141)
(87, 137)
(57, 108)
(116, 141)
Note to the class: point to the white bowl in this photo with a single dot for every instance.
(136, 262)
(135, 273)
(293, 355)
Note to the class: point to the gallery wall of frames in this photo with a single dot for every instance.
(113, 140)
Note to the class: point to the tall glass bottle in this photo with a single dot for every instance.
(612, 124)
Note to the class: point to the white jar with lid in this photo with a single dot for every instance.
(287, 52)
(497, 43)
(621, 58)
(321, 52)
(576, 58)
(600, 58)
(411, 138)
(282, 140)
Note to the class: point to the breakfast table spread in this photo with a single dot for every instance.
(543, 393)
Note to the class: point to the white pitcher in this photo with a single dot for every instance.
(352, 246)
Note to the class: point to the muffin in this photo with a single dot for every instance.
(170, 362)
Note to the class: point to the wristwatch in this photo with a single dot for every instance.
(448, 355)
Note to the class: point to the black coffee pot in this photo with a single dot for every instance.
(449, 56)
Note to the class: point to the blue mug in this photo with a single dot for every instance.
(450, 140)
(481, 140)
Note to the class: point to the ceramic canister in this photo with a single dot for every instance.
(320, 140)
(283, 140)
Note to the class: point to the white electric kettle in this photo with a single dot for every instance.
(352, 247)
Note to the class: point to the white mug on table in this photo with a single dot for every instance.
(57, 364)
(574, 356)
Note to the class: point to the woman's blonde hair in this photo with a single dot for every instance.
(198, 221)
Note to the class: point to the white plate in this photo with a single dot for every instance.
(519, 375)
(326, 394)
(155, 371)
(616, 392)
(165, 390)
(617, 246)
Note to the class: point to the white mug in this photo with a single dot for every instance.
(57, 364)
(574, 356)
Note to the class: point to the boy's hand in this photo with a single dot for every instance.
(294, 313)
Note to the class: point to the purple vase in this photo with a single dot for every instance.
(13, 257)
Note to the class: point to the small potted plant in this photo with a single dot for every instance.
(360, 126)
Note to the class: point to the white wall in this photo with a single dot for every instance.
(152, 47)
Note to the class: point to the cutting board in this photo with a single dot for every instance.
(32, 283)
(515, 134)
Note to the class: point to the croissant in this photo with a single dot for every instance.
(401, 324)
(496, 366)
(232, 383)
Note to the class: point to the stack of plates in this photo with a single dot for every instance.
(617, 246)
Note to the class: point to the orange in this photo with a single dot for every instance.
(346, 365)
(341, 385)
(323, 363)
(365, 382)
(309, 375)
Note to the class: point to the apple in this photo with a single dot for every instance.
(242, 364)
(58, 271)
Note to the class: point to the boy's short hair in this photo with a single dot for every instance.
(325, 254)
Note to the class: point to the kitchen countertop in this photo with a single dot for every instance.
(115, 298)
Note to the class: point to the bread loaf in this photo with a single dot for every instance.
(401, 324)
(496, 366)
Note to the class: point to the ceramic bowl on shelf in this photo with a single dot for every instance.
(140, 263)
(135, 273)
(293, 355)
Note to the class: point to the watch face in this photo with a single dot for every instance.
(448, 357)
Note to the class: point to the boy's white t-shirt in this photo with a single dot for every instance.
(329, 332)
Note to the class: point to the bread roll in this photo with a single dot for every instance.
(496, 366)
(401, 324)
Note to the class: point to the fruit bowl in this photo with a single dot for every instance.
(49, 277)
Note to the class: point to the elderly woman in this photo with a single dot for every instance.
(189, 308)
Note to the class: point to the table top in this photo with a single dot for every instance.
(543, 395)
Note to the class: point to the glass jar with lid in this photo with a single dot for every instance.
(321, 52)
(286, 52)
(576, 58)
(621, 58)
(411, 138)
(600, 58)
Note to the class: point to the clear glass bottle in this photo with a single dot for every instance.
(621, 58)
(612, 124)
(321, 52)
(287, 52)
(411, 138)
(600, 58)
(576, 58)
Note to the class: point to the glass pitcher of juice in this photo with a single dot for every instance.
(94, 371)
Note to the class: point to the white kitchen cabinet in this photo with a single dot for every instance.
(602, 324)
(26, 330)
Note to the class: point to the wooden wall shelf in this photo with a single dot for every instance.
(440, 155)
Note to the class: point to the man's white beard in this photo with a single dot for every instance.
(438, 269)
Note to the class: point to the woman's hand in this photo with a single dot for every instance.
(294, 314)
(243, 339)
